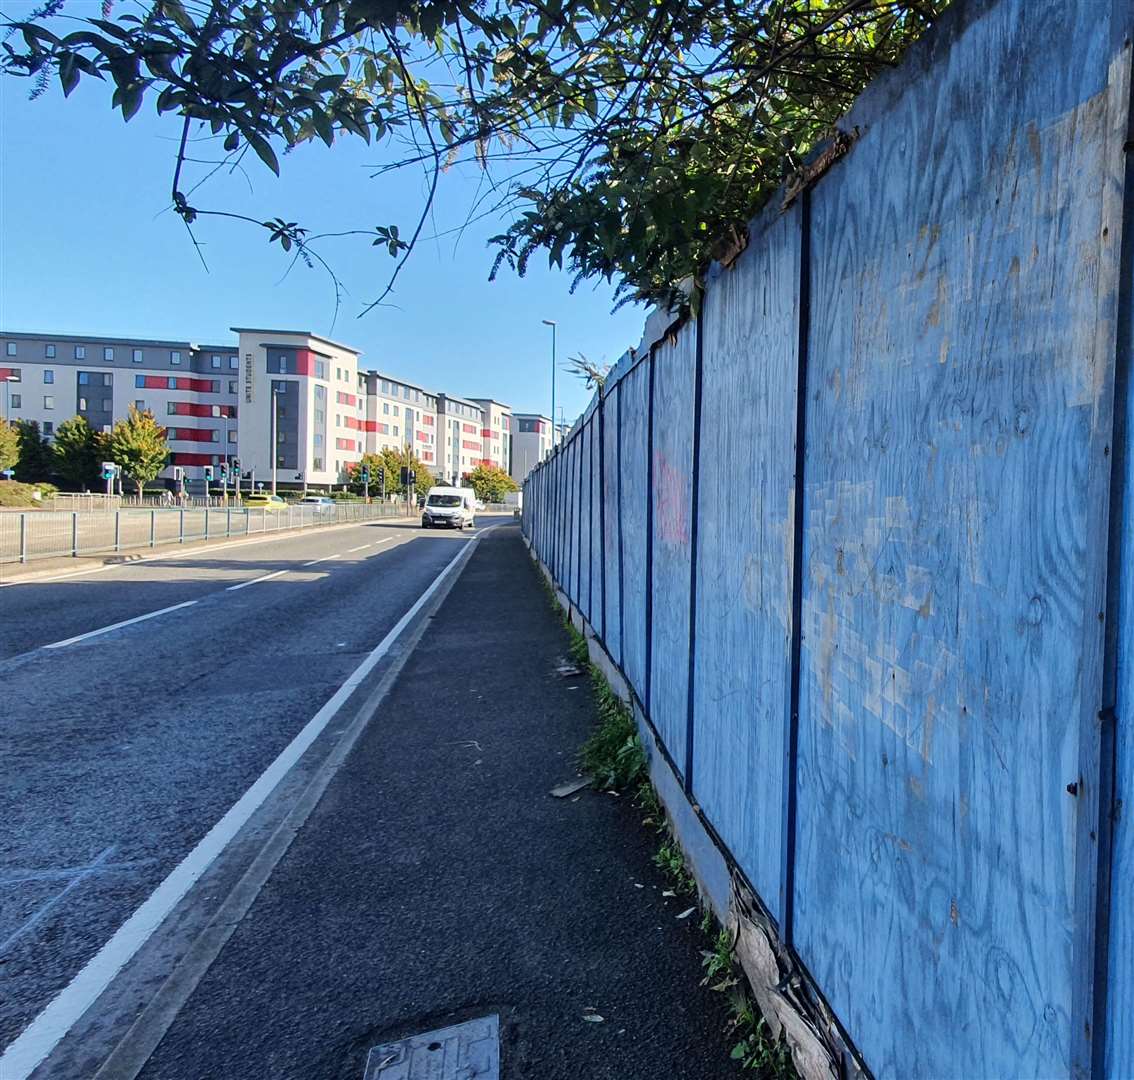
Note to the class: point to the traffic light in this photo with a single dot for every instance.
(366, 474)
(109, 470)
(380, 477)
(405, 476)
(412, 477)
(236, 466)
(223, 471)
(208, 471)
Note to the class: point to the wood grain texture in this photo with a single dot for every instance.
(635, 387)
(743, 616)
(951, 552)
(611, 481)
(672, 453)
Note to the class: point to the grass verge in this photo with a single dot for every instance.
(616, 759)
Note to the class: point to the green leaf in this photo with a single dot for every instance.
(68, 73)
(232, 141)
(263, 150)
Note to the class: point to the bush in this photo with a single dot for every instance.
(13, 493)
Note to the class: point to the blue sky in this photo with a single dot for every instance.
(87, 247)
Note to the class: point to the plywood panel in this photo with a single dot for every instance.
(585, 520)
(672, 472)
(634, 387)
(951, 574)
(612, 484)
(743, 618)
(596, 537)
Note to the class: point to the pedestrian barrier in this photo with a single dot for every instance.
(859, 539)
(48, 534)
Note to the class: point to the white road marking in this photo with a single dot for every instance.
(256, 581)
(363, 547)
(376, 543)
(325, 558)
(114, 626)
(24, 1054)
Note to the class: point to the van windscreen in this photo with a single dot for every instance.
(444, 500)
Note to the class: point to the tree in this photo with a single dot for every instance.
(392, 461)
(77, 452)
(629, 139)
(9, 447)
(138, 445)
(491, 483)
(36, 462)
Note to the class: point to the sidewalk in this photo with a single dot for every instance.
(439, 881)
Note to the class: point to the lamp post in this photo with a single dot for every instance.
(551, 323)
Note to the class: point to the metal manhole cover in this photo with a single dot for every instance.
(468, 1051)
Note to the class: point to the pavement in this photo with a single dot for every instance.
(431, 877)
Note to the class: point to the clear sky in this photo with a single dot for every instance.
(86, 246)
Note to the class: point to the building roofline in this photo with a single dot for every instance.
(294, 333)
(493, 401)
(532, 416)
(460, 400)
(400, 381)
(102, 339)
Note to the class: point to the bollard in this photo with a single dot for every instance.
(153, 528)
(206, 522)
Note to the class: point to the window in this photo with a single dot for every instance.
(386, 408)
(216, 361)
(139, 380)
(82, 404)
(385, 386)
(317, 439)
(48, 427)
(171, 383)
(108, 354)
(405, 392)
(395, 410)
(85, 378)
(338, 420)
(48, 401)
(15, 400)
(140, 405)
(317, 464)
(80, 352)
(338, 372)
(175, 356)
(49, 351)
(232, 386)
(233, 363)
(11, 348)
(48, 375)
(277, 363)
(320, 369)
(232, 436)
(107, 404)
(108, 380)
(136, 356)
(395, 429)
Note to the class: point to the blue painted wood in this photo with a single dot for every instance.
(635, 387)
(671, 476)
(596, 533)
(744, 549)
(586, 530)
(612, 479)
(952, 558)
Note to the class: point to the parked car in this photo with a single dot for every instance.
(319, 504)
(448, 507)
(264, 501)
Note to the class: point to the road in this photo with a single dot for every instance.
(141, 702)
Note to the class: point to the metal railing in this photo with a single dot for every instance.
(46, 534)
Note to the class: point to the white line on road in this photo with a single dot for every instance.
(325, 558)
(256, 581)
(114, 626)
(40, 1037)
(363, 547)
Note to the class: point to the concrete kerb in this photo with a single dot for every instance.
(784, 993)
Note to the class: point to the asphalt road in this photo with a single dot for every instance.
(119, 750)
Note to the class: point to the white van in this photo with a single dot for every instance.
(449, 507)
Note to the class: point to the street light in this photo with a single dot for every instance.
(551, 323)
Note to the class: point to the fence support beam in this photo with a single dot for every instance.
(694, 515)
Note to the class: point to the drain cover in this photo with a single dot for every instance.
(468, 1051)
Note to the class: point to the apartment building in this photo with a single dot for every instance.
(224, 401)
(531, 441)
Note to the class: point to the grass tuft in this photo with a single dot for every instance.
(613, 754)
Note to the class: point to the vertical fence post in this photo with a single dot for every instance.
(579, 441)
(153, 528)
(228, 521)
(206, 521)
(621, 556)
(117, 530)
(23, 538)
(650, 532)
(181, 526)
(75, 534)
(602, 507)
(694, 515)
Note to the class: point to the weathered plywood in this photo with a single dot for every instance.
(584, 600)
(634, 388)
(596, 534)
(744, 546)
(672, 473)
(612, 484)
(952, 558)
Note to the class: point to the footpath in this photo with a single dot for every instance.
(438, 880)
